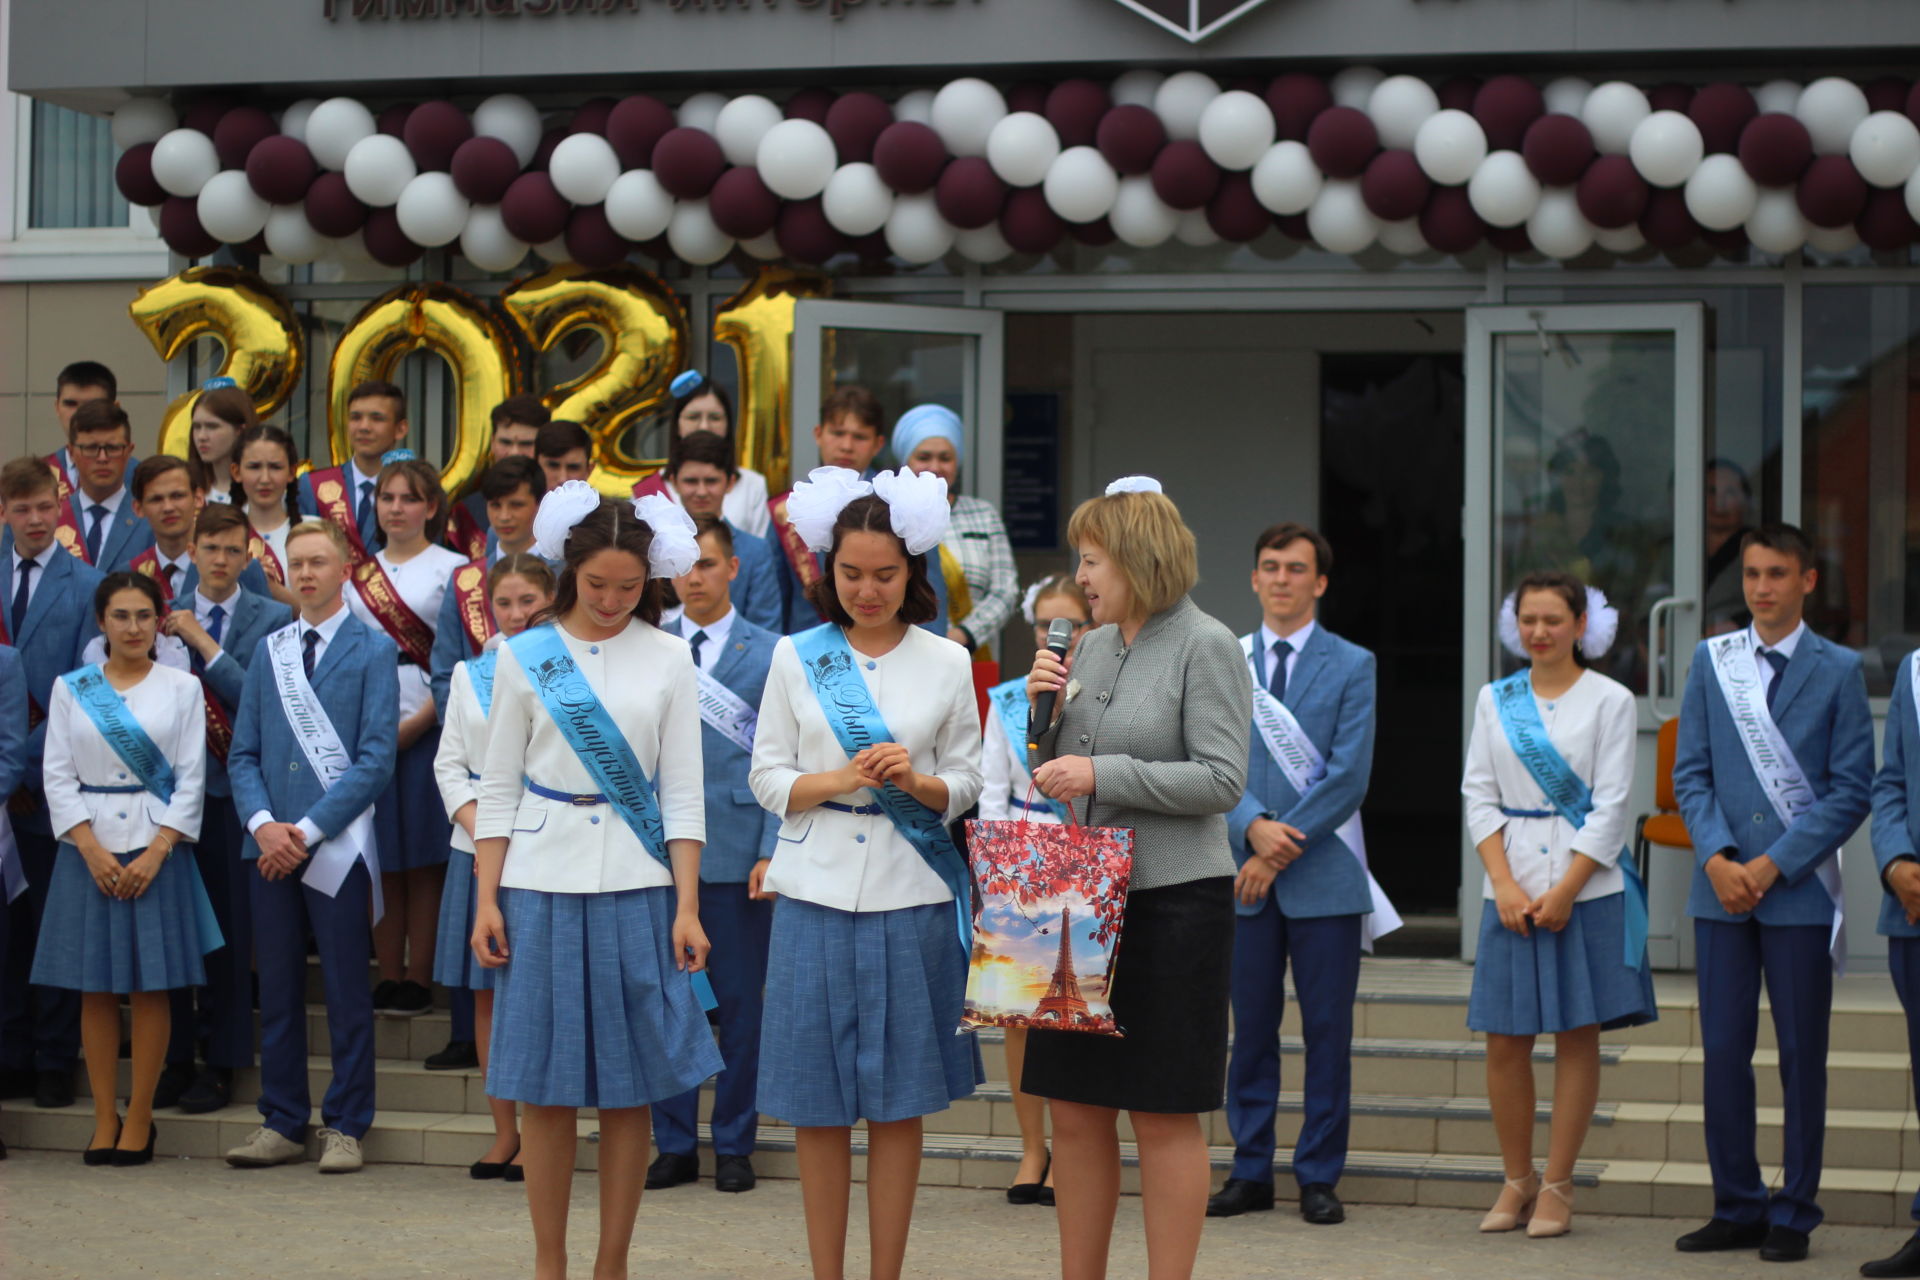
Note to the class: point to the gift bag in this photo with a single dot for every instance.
(1051, 897)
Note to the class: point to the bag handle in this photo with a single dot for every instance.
(1073, 819)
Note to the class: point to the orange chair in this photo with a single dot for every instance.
(1664, 827)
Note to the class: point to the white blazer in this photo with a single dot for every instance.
(645, 679)
(860, 862)
(1004, 776)
(170, 707)
(462, 752)
(746, 503)
(1592, 725)
(421, 582)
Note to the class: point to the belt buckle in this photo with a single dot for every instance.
(583, 802)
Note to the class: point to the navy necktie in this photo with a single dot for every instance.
(215, 616)
(699, 638)
(363, 514)
(309, 643)
(1778, 661)
(94, 530)
(1277, 682)
(17, 614)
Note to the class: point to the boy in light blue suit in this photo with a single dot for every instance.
(100, 440)
(735, 654)
(700, 474)
(1773, 771)
(1302, 895)
(312, 846)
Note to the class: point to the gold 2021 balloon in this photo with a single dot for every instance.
(757, 323)
(255, 326)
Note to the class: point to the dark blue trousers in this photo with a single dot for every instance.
(284, 911)
(739, 928)
(39, 1026)
(220, 1013)
(460, 1003)
(1903, 958)
(1733, 960)
(1325, 953)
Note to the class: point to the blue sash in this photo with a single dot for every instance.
(1010, 700)
(109, 713)
(480, 676)
(848, 705)
(1566, 791)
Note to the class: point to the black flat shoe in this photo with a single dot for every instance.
(1240, 1195)
(514, 1173)
(94, 1157)
(1720, 1235)
(1905, 1262)
(482, 1170)
(128, 1159)
(1784, 1244)
(175, 1079)
(459, 1055)
(211, 1090)
(1320, 1206)
(670, 1170)
(1029, 1192)
(733, 1173)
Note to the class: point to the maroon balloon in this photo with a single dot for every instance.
(1130, 136)
(239, 131)
(1831, 192)
(1722, 111)
(1885, 225)
(1670, 96)
(1612, 194)
(969, 194)
(1887, 93)
(1558, 149)
(1394, 186)
(533, 208)
(331, 208)
(1510, 239)
(133, 174)
(1184, 175)
(1506, 108)
(804, 234)
(1775, 149)
(1027, 95)
(1234, 213)
(1029, 223)
(854, 121)
(810, 104)
(1296, 101)
(1342, 141)
(871, 249)
(257, 246)
(1075, 109)
(688, 162)
(591, 239)
(280, 169)
(1097, 234)
(1665, 221)
(180, 228)
(434, 132)
(742, 205)
(393, 120)
(1456, 93)
(483, 169)
(1728, 243)
(909, 156)
(634, 125)
(1449, 224)
(204, 113)
(591, 116)
(387, 244)
(543, 153)
(1293, 226)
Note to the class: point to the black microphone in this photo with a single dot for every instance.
(1059, 636)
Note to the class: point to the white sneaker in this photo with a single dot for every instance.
(339, 1153)
(266, 1147)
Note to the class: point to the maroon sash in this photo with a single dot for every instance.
(655, 483)
(148, 563)
(68, 533)
(806, 570)
(329, 486)
(258, 548)
(469, 589)
(465, 535)
(383, 600)
(219, 724)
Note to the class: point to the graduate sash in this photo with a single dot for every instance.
(219, 724)
(258, 548)
(1773, 763)
(480, 676)
(654, 482)
(848, 705)
(67, 531)
(464, 533)
(726, 712)
(330, 498)
(1567, 792)
(384, 602)
(327, 756)
(469, 587)
(147, 563)
(1010, 704)
(806, 570)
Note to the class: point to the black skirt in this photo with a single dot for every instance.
(1170, 996)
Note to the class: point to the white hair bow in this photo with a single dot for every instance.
(1135, 484)
(564, 507)
(817, 502)
(1603, 623)
(917, 507)
(676, 542)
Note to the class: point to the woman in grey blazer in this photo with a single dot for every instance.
(1151, 734)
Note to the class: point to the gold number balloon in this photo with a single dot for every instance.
(261, 337)
(448, 322)
(757, 323)
(643, 332)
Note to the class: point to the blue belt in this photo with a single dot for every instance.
(1528, 813)
(112, 791)
(474, 777)
(863, 810)
(567, 796)
(1021, 802)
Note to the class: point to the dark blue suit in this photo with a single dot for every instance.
(1312, 917)
(357, 682)
(1821, 710)
(739, 833)
(1896, 835)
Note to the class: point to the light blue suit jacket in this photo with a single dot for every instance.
(126, 538)
(250, 619)
(58, 624)
(756, 591)
(1331, 693)
(357, 682)
(1896, 818)
(1822, 712)
(13, 722)
(739, 831)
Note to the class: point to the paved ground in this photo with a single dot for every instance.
(199, 1220)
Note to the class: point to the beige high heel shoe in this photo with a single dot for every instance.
(1540, 1228)
(1529, 1191)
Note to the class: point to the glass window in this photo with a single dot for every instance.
(72, 174)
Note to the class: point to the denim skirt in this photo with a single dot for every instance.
(453, 964)
(410, 826)
(90, 942)
(1547, 982)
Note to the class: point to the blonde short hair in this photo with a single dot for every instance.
(1150, 545)
(325, 528)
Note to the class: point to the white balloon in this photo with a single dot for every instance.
(487, 243)
(1625, 239)
(583, 167)
(431, 211)
(915, 105)
(1831, 108)
(229, 209)
(1778, 95)
(964, 112)
(916, 232)
(1403, 237)
(291, 238)
(1885, 148)
(857, 201)
(1236, 129)
(1912, 194)
(764, 247)
(1181, 100)
(1136, 88)
(1776, 224)
(1666, 148)
(1339, 220)
(1449, 146)
(1195, 230)
(1287, 180)
(184, 161)
(700, 111)
(378, 169)
(1081, 186)
(1398, 106)
(1566, 95)
(1503, 191)
(693, 236)
(637, 206)
(1611, 113)
(1140, 217)
(1720, 195)
(555, 251)
(1556, 226)
(1021, 148)
(1354, 87)
(334, 127)
(796, 159)
(512, 119)
(143, 120)
(293, 123)
(1842, 239)
(984, 245)
(742, 123)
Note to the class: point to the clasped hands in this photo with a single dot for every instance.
(114, 880)
(1741, 885)
(283, 847)
(1903, 877)
(1274, 846)
(1521, 914)
(878, 765)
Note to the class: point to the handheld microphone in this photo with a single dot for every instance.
(1059, 636)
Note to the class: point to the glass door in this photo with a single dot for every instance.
(1584, 453)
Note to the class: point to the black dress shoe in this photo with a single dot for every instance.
(1784, 1244)
(483, 1170)
(670, 1170)
(1320, 1206)
(1240, 1195)
(94, 1157)
(459, 1055)
(211, 1090)
(383, 993)
(128, 1159)
(53, 1089)
(1720, 1235)
(1904, 1262)
(410, 1001)
(17, 1082)
(733, 1173)
(1029, 1192)
(175, 1079)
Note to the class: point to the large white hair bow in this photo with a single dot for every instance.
(1135, 484)
(564, 507)
(1603, 623)
(817, 502)
(917, 507)
(676, 542)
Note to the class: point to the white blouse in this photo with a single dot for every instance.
(462, 752)
(645, 679)
(1004, 778)
(746, 504)
(421, 582)
(169, 705)
(860, 862)
(1593, 726)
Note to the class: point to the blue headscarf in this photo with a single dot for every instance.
(927, 422)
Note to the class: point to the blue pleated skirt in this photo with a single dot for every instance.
(589, 1010)
(409, 823)
(453, 964)
(1547, 982)
(862, 1015)
(90, 942)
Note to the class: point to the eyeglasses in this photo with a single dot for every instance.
(101, 451)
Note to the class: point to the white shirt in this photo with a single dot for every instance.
(1592, 725)
(462, 752)
(168, 704)
(861, 862)
(33, 579)
(421, 582)
(112, 503)
(644, 678)
(1785, 649)
(746, 503)
(1004, 778)
(716, 642)
(1270, 637)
